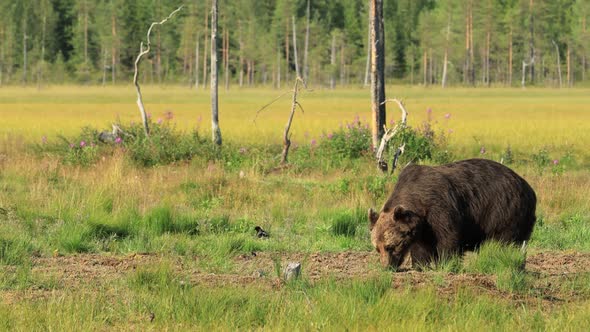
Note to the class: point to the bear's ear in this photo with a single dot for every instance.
(373, 217)
(400, 213)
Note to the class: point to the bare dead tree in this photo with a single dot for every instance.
(295, 47)
(558, 65)
(524, 65)
(294, 105)
(197, 62)
(286, 134)
(142, 52)
(216, 132)
(389, 134)
(306, 47)
(377, 70)
(446, 56)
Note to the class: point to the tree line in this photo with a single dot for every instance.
(269, 42)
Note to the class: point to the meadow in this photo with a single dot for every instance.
(113, 244)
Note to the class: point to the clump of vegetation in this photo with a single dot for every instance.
(506, 262)
(350, 141)
(346, 223)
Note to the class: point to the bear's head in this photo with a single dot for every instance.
(393, 232)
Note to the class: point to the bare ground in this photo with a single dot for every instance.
(549, 270)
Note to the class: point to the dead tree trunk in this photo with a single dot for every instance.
(205, 50)
(425, 67)
(25, 37)
(569, 66)
(342, 65)
(241, 65)
(41, 66)
(306, 47)
(226, 60)
(295, 59)
(532, 39)
(558, 61)
(287, 50)
(104, 66)
(377, 70)
(446, 56)
(142, 52)
(278, 67)
(286, 134)
(368, 65)
(216, 132)
(113, 45)
(524, 65)
(510, 57)
(333, 61)
(2, 37)
(197, 62)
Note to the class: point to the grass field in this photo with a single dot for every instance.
(117, 246)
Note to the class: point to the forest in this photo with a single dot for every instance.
(264, 42)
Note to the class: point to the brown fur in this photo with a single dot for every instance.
(452, 208)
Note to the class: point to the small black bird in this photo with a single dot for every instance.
(260, 233)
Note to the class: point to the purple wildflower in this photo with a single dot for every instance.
(448, 116)
(168, 115)
(82, 144)
(330, 135)
(450, 131)
(482, 150)
(556, 161)
(72, 145)
(160, 121)
(149, 115)
(44, 139)
(391, 122)
(118, 140)
(313, 142)
(429, 114)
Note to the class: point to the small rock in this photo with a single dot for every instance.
(292, 271)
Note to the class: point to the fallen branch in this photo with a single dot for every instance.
(389, 134)
(143, 52)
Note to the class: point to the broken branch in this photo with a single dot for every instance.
(389, 134)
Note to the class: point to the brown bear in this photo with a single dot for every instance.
(448, 209)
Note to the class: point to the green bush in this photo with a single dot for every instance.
(350, 141)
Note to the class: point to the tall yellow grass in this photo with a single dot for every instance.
(497, 117)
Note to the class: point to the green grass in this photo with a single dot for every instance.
(355, 305)
(202, 213)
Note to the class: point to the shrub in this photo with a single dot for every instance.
(351, 141)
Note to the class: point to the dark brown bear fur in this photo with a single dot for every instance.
(452, 208)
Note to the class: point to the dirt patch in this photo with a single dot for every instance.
(559, 263)
(550, 271)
